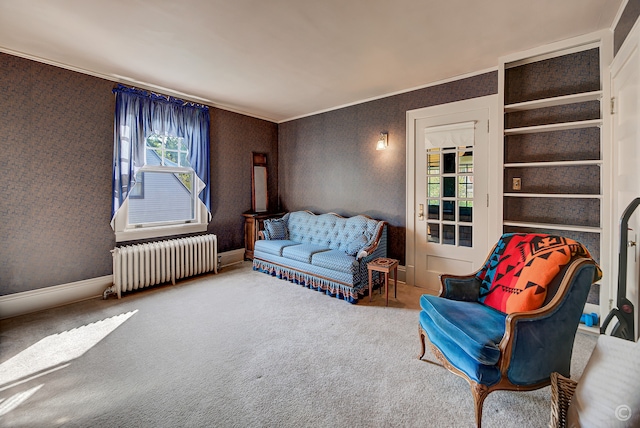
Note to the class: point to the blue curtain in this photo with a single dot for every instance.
(140, 114)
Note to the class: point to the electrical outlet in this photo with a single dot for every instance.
(517, 183)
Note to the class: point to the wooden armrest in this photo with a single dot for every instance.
(371, 248)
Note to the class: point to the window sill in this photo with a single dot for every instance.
(158, 232)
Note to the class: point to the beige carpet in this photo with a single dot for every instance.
(240, 349)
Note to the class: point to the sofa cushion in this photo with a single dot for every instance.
(474, 327)
(302, 252)
(481, 373)
(274, 247)
(335, 260)
(276, 228)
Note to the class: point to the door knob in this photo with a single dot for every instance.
(421, 212)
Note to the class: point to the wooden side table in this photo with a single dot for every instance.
(252, 225)
(384, 265)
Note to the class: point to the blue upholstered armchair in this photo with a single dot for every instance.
(512, 323)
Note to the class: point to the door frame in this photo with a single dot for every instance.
(630, 46)
(494, 185)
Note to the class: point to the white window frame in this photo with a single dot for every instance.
(125, 232)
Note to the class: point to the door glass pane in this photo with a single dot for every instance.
(466, 211)
(465, 161)
(449, 210)
(465, 186)
(449, 234)
(433, 187)
(433, 162)
(449, 163)
(449, 187)
(465, 236)
(433, 232)
(433, 209)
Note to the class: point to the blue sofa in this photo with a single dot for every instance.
(324, 252)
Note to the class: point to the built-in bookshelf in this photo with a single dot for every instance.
(553, 162)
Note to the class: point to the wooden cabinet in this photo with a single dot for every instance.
(252, 224)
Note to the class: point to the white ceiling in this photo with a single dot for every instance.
(283, 59)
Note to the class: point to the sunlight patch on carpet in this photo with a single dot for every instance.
(14, 401)
(57, 349)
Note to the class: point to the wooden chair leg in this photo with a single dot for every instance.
(422, 347)
(479, 392)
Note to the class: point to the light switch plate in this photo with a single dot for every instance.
(517, 183)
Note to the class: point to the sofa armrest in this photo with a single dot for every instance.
(457, 287)
(380, 236)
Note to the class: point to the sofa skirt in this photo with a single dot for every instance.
(330, 287)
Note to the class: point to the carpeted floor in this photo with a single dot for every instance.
(240, 349)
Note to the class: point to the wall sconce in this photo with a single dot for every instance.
(383, 141)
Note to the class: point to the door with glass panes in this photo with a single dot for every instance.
(451, 195)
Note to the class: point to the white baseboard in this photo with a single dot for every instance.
(27, 302)
(402, 274)
(231, 257)
(50, 297)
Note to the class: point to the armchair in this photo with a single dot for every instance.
(512, 323)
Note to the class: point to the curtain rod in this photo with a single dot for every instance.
(157, 96)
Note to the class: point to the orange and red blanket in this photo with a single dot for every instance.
(516, 275)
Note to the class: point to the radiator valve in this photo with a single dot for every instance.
(109, 290)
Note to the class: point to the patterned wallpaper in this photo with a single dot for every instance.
(233, 138)
(57, 138)
(625, 24)
(57, 134)
(556, 145)
(558, 114)
(579, 179)
(328, 162)
(554, 77)
(579, 212)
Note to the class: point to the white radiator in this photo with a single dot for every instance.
(144, 265)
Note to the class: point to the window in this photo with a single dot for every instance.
(160, 180)
(163, 193)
